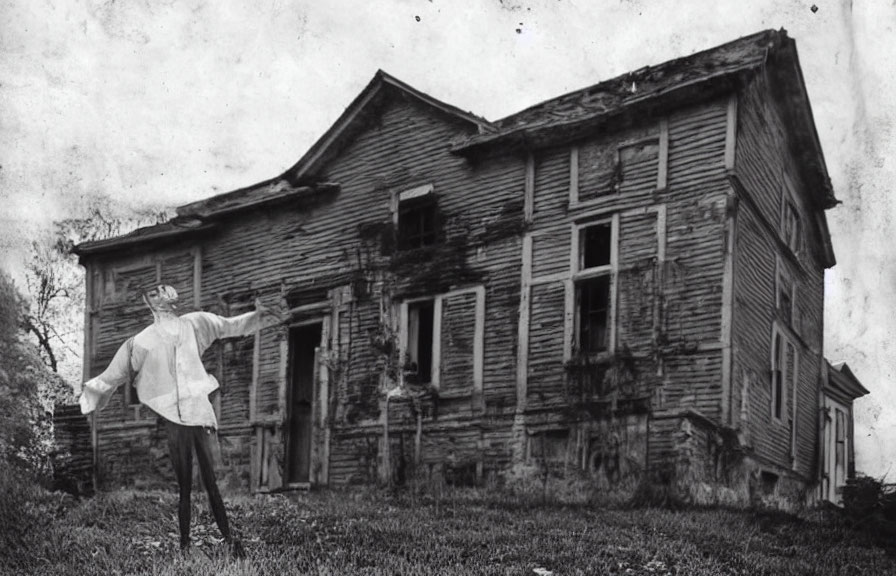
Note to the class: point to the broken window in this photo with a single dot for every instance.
(420, 342)
(593, 287)
(594, 246)
(417, 218)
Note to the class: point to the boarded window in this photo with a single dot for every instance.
(417, 222)
(420, 341)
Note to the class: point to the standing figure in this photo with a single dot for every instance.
(164, 364)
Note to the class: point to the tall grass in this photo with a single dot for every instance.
(454, 532)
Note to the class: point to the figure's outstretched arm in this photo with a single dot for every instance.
(97, 392)
(210, 327)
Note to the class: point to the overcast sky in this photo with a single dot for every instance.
(166, 102)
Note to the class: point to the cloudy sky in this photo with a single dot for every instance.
(164, 102)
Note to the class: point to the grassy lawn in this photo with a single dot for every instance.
(466, 532)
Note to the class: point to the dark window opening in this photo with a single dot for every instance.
(791, 227)
(777, 379)
(769, 481)
(133, 400)
(420, 340)
(593, 297)
(595, 246)
(785, 302)
(417, 222)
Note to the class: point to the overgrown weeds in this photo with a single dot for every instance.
(457, 531)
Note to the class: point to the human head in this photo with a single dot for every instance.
(161, 298)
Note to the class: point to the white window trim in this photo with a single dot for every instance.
(781, 273)
(789, 382)
(571, 327)
(478, 335)
(398, 197)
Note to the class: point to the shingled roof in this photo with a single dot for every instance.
(647, 91)
(640, 86)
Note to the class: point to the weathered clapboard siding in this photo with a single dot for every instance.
(547, 377)
(763, 162)
(692, 193)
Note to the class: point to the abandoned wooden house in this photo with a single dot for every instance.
(622, 283)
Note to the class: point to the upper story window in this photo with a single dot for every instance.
(417, 218)
(593, 282)
(791, 226)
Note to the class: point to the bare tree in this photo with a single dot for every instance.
(55, 282)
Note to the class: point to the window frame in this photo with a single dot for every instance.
(579, 275)
(789, 215)
(783, 280)
(788, 382)
(403, 315)
(424, 198)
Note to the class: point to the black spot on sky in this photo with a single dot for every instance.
(417, 18)
(814, 8)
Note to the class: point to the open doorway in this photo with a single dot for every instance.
(303, 341)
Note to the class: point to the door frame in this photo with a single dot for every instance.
(319, 395)
(829, 478)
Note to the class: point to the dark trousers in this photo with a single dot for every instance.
(182, 440)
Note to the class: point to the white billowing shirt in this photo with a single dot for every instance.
(166, 363)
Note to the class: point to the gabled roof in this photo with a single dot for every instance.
(297, 183)
(358, 114)
(842, 379)
(299, 179)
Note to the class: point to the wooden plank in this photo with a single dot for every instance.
(727, 314)
(253, 386)
(731, 132)
(573, 175)
(197, 277)
(522, 355)
(436, 367)
(529, 192)
(663, 168)
(479, 352)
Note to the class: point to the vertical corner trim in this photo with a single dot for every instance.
(663, 160)
(197, 277)
(522, 354)
(727, 319)
(436, 367)
(573, 175)
(479, 347)
(731, 132)
(529, 193)
(256, 368)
